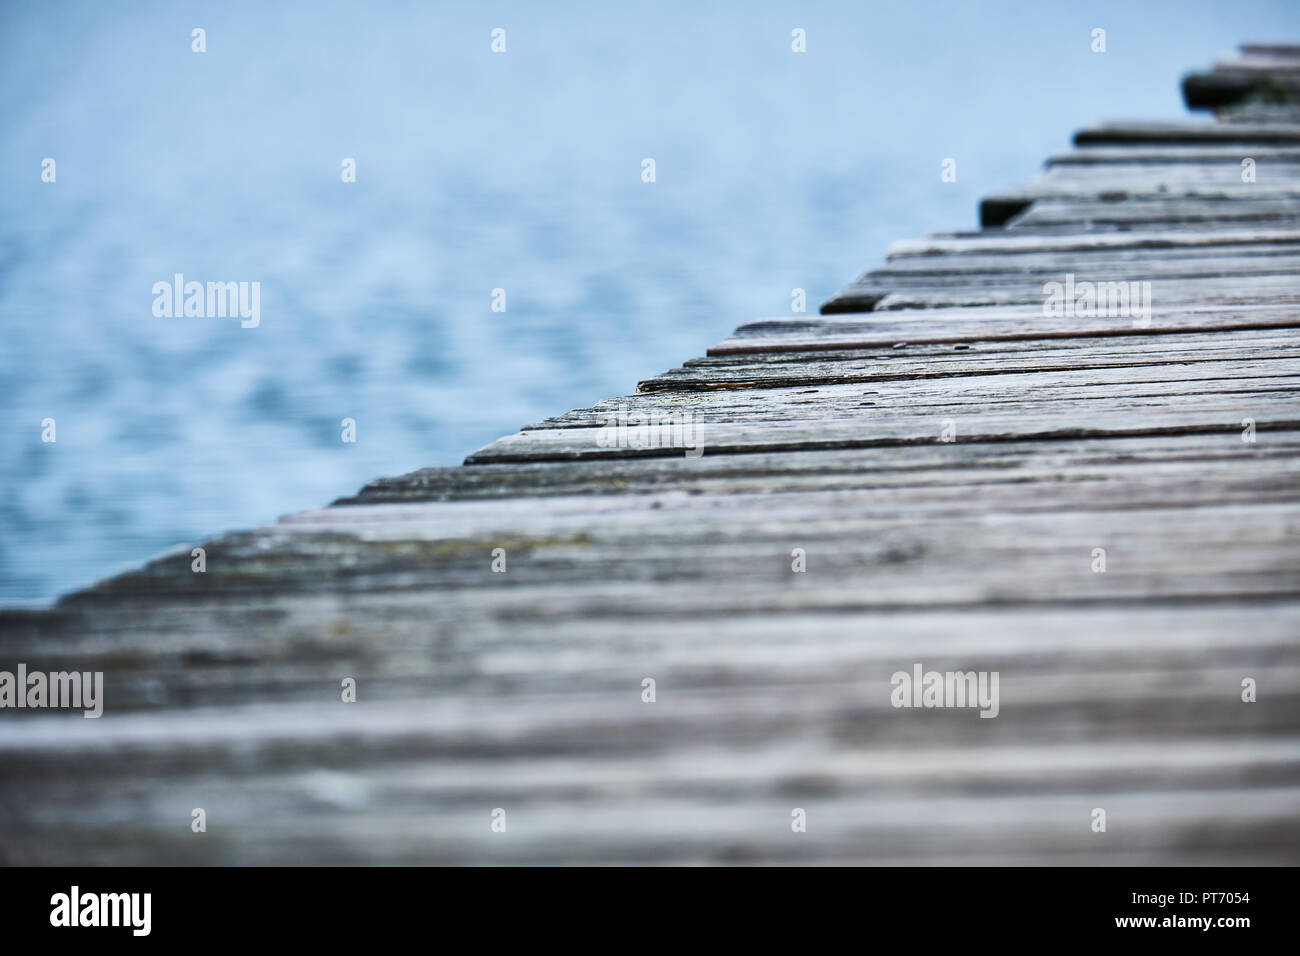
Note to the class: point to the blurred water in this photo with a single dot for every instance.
(475, 171)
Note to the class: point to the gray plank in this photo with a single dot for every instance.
(1120, 416)
(995, 242)
(1167, 293)
(1072, 358)
(1124, 263)
(970, 325)
(1143, 181)
(962, 463)
(881, 290)
(1153, 213)
(1200, 155)
(1122, 133)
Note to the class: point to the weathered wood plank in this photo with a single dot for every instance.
(1125, 263)
(1157, 213)
(1062, 732)
(909, 372)
(1002, 242)
(661, 809)
(969, 325)
(487, 642)
(1257, 113)
(961, 463)
(1172, 181)
(1201, 154)
(974, 268)
(1143, 181)
(1118, 134)
(882, 292)
(1120, 416)
(1189, 292)
(1168, 293)
(1087, 393)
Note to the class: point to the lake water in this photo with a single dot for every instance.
(476, 171)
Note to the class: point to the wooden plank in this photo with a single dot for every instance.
(1129, 263)
(1171, 180)
(1138, 181)
(1190, 134)
(869, 802)
(1203, 358)
(1199, 155)
(831, 326)
(1001, 242)
(1158, 213)
(968, 325)
(1168, 293)
(546, 742)
(1217, 413)
(748, 400)
(753, 394)
(881, 290)
(963, 463)
(488, 650)
(675, 551)
(1256, 113)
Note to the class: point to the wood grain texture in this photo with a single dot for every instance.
(1189, 134)
(929, 473)
(1199, 155)
(1072, 358)
(1162, 212)
(969, 325)
(1118, 182)
(1000, 242)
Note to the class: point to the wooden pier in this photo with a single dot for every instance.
(1103, 509)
